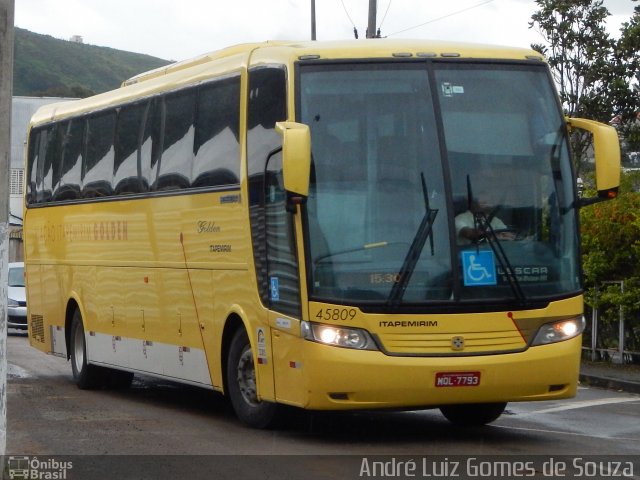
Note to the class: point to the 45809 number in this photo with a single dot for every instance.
(335, 314)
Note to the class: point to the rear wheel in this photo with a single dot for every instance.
(242, 386)
(475, 414)
(86, 376)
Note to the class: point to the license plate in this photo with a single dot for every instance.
(457, 379)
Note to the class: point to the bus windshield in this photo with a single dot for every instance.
(437, 182)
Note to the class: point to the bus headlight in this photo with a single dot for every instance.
(559, 331)
(338, 336)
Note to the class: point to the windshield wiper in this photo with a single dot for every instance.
(482, 221)
(415, 250)
(503, 259)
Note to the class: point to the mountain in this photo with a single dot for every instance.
(47, 66)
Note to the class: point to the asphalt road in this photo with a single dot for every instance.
(164, 425)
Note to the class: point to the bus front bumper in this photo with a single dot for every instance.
(331, 378)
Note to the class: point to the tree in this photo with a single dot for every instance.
(579, 52)
(597, 78)
(611, 252)
(627, 93)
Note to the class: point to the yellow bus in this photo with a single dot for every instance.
(331, 226)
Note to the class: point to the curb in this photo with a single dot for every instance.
(610, 383)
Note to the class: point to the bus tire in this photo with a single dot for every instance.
(86, 376)
(473, 414)
(242, 387)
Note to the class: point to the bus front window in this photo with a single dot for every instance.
(513, 198)
(376, 171)
(383, 224)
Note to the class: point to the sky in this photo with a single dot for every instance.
(177, 30)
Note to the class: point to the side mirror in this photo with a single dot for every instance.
(606, 147)
(296, 156)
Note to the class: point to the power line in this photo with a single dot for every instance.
(348, 16)
(443, 17)
(355, 30)
(385, 15)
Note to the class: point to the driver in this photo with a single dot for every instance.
(471, 225)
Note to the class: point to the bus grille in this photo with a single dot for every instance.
(37, 328)
(452, 343)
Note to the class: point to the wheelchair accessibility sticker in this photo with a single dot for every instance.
(479, 268)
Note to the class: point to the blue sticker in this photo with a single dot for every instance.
(275, 289)
(479, 268)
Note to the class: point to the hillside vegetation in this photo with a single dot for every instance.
(47, 66)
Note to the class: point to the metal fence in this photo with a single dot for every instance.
(613, 341)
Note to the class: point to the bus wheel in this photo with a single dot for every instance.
(85, 375)
(242, 387)
(476, 414)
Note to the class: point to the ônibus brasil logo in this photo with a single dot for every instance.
(32, 468)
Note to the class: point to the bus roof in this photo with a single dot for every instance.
(281, 51)
(199, 60)
(376, 48)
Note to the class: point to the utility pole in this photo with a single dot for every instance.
(313, 19)
(371, 26)
(7, 8)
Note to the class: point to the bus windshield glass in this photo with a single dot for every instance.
(437, 182)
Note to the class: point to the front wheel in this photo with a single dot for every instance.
(242, 386)
(86, 376)
(473, 414)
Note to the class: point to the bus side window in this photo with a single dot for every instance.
(68, 185)
(282, 268)
(267, 105)
(126, 170)
(217, 147)
(97, 171)
(177, 150)
(49, 154)
(32, 165)
(56, 149)
(151, 143)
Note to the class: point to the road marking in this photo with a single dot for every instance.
(560, 432)
(582, 404)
